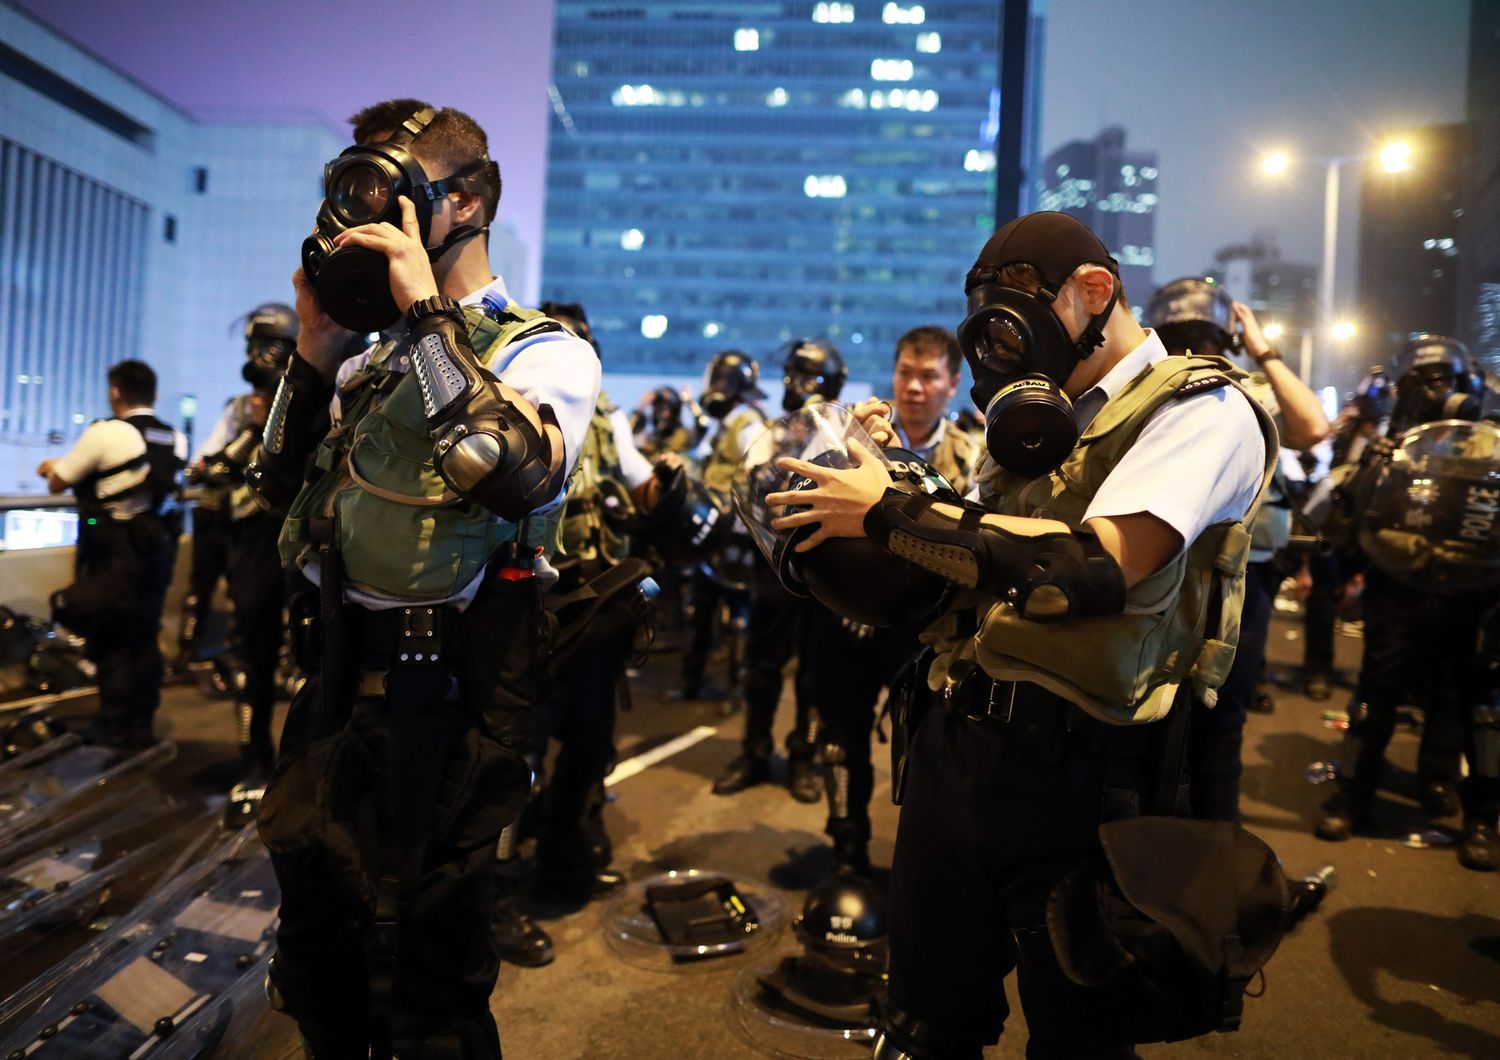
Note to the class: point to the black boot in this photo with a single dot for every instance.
(1479, 849)
(556, 884)
(519, 939)
(746, 771)
(802, 779)
(852, 855)
(1345, 815)
(1439, 799)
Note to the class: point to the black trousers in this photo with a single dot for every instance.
(318, 820)
(1419, 648)
(987, 828)
(705, 597)
(581, 718)
(846, 669)
(210, 559)
(136, 558)
(257, 589)
(1216, 736)
(1329, 574)
(777, 622)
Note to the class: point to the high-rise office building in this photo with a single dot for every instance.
(128, 229)
(1280, 292)
(1113, 191)
(1409, 241)
(735, 175)
(1479, 264)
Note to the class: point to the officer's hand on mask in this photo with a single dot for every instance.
(874, 415)
(411, 271)
(840, 501)
(319, 340)
(1256, 343)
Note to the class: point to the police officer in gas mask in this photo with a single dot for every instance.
(669, 421)
(421, 482)
(126, 473)
(1195, 315)
(731, 397)
(813, 371)
(251, 563)
(1423, 504)
(1116, 490)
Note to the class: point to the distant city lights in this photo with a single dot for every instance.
(977, 161)
(653, 326)
(776, 98)
(1343, 330)
(632, 239)
(903, 15)
(825, 187)
(891, 70)
(833, 13)
(929, 43)
(712, 329)
(746, 40)
(1274, 331)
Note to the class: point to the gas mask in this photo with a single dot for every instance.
(1018, 349)
(731, 377)
(361, 187)
(1436, 383)
(270, 338)
(666, 412)
(814, 371)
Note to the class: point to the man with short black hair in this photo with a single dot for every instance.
(124, 472)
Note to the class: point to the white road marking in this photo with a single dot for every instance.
(641, 762)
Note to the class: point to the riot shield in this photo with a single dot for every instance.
(1431, 522)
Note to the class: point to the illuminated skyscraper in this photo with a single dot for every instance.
(735, 175)
(1113, 191)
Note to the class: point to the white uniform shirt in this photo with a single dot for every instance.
(633, 464)
(555, 369)
(1198, 461)
(109, 443)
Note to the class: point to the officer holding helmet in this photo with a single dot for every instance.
(1096, 588)
(669, 421)
(813, 372)
(422, 498)
(1196, 316)
(1423, 502)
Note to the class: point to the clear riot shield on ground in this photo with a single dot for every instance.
(1433, 519)
(42, 785)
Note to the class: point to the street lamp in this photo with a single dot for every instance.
(1273, 331)
(1394, 157)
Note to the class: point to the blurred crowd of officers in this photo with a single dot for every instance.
(557, 611)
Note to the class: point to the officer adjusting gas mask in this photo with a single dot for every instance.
(1018, 348)
(731, 377)
(363, 186)
(270, 339)
(1435, 381)
(814, 371)
(853, 576)
(1194, 314)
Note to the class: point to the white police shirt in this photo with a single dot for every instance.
(556, 369)
(108, 443)
(1198, 461)
(633, 463)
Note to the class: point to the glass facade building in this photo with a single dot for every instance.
(1113, 191)
(734, 175)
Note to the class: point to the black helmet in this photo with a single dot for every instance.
(1191, 313)
(571, 316)
(731, 378)
(844, 923)
(813, 367)
(1434, 381)
(270, 337)
(666, 410)
(855, 576)
(687, 521)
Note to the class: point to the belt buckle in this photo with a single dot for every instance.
(990, 710)
(419, 638)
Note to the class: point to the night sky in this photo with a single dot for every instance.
(1208, 85)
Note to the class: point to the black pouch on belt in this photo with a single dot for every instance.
(907, 702)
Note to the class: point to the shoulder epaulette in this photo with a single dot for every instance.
(1204, 384)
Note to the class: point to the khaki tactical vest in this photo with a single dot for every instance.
(957, 458)
(1123, 668)
(724, 461)
(402, 533)
(679, 441)
(587, 536)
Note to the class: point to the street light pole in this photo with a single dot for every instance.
(1330, 244)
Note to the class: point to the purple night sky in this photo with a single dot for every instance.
(1208, 85)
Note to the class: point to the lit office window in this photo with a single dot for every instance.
(854, 98)
(777, 97)
(977, 161)
(746, 40)
(903, 14)
(891, 70)
(833, 13)
(632, 239)
(825, 187)
(712, 329)
(653, 326)
(929, 43)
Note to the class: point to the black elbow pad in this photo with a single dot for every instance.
(297, 420)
